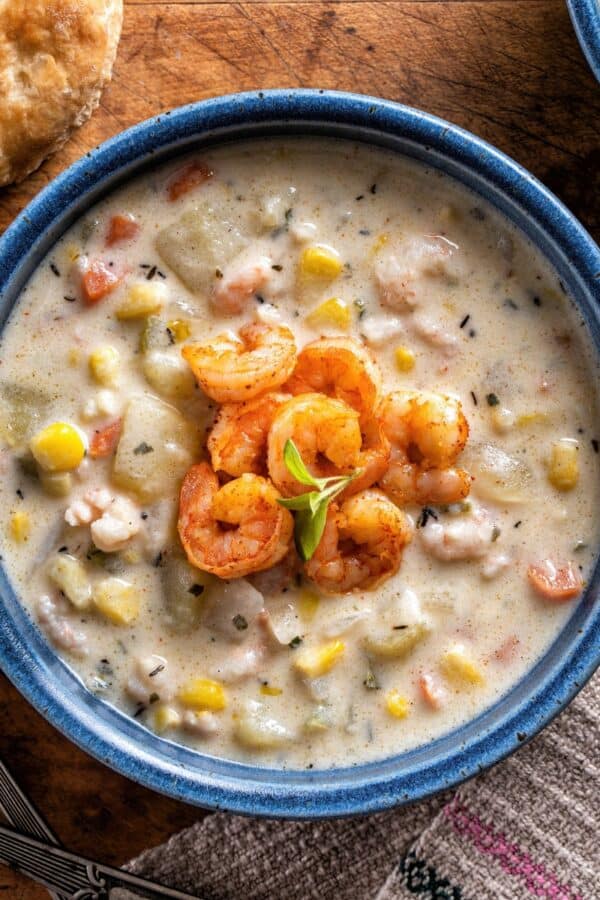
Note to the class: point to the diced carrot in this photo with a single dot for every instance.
(121, 228)
(555, 582)
(188, 178)
(507, 649)
(432, 691)
(103, 442)
(98, 280)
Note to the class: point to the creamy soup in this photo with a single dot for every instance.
(380, 402)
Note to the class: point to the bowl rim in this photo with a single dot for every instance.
(585, 15)
(120, 742)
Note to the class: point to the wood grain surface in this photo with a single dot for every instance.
(510, 70)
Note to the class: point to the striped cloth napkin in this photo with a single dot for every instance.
(530, 827)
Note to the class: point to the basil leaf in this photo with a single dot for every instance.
(304, 501)
(296, 467)
(309, 531)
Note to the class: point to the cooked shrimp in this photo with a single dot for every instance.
(326, 433)
(232, 530)
(427, 432)
(233, 371)
(362, 544)
(373, 459)
(401, 271)
(339, 367)
(463, 537)
(240, 281)
(238, 440)
(555, 582)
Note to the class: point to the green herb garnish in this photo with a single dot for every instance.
(310, 508)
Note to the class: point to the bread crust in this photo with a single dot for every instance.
(55, 58)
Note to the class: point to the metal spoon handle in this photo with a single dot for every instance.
(75, 876)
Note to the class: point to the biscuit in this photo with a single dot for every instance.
(55, 58)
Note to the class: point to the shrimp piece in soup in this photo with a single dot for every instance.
(234, 371)
(238, 440)
(361, 546)
(235, 529)
(326, 433)
(427, 432)
(339, 367)
(240, 281)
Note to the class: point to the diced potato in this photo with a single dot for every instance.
(200, 242)
(144, 298)
(56, 484)
(165, 718)
(58, 448)
(308, 604)
(21, 408)
(395, 642)
(19, 527)
(319, 720)
(203, 694)
(317, 661)
(320, 261)
(563, 468)
(499, 476)
(458, 667)
(503, 419)
(70, 576)
(269, 690)
(397, 705)
(117, 599)
(405, 359)
(156, 447)
(104, 364)
(257, 730)
(333, 313)
(180, 329)
(184, 590)
(169, 375)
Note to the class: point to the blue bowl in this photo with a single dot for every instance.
(585, 15)
(120, 741)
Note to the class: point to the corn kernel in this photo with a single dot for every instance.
(405, 359)
(74, 357)
(563, 469)
(180, 329)
(333, 312)
(308, 604)
(131, 557)
(145, 298)
(380, 243)
(397, 705)
(533, 418)
(166, 717)
(457, 666)
(320, 261)
(20, 527)
(270, 691)
(118, 600)
(203, 694)
(73, 252)
(69, 575)
(56, 484)
(104, 364)
(317, 661)
(58, 447)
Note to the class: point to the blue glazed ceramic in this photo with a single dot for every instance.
(586, 20)
(121, 742)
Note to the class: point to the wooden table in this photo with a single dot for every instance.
(509, 70)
